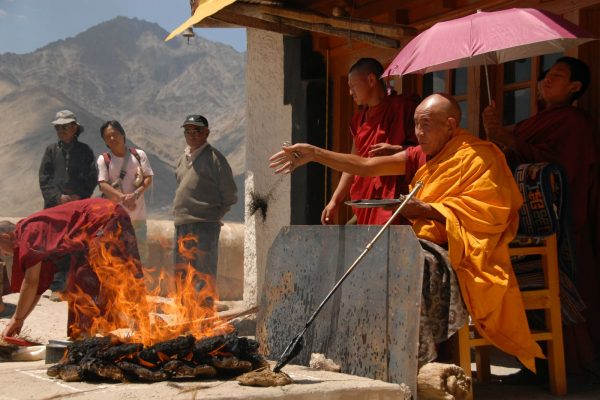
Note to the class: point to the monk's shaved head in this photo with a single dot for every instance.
(436, 119)
(441, 105)
(367, 66)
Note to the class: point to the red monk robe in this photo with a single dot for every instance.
(391, 121)
(565, 136)
(77, 228)
(469, 183)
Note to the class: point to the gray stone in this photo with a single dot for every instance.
(370, 326)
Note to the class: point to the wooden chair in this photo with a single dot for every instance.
(547, 299)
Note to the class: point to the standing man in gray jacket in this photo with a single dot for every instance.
(205, 192)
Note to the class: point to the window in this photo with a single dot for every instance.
(518, 87)
(453, 82)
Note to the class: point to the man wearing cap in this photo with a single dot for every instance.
(205, 192)
(67, 172)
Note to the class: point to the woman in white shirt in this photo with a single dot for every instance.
(123, 176)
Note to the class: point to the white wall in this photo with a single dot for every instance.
(269, 123)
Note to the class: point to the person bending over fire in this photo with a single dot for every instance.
(470, 202)
(99, 237)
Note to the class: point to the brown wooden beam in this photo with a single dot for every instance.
(210, 22)
(388, 30)
(256, 23)
(378, 7)
(374, 40)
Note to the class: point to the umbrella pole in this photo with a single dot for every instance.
(487, 81)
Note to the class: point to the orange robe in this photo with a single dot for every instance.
(470, 184)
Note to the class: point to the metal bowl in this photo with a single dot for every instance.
(55, 350)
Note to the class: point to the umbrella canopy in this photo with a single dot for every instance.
(487, 38)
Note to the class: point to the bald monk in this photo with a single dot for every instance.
(470, 202)
(79, 229)
(563, 134)
(383, 125)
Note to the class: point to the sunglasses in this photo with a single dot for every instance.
(193, 131)
(62, 127)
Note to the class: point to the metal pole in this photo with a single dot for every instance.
(295, 345)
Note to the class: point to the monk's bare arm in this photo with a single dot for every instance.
(27, 300)
(343, 187)
(299, 154)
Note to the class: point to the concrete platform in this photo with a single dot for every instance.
(28, 380)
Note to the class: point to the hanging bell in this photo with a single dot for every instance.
(188, 33)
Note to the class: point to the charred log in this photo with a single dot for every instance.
(174, 348)
(231, 364)
(71, 373)
(86, 348)
(116, 353)
(179, 358)
(142, 373)
(186, 369)
(103, 369)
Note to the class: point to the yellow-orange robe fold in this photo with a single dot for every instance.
(470, 184)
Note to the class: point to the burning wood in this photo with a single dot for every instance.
(141, 336)
(107, 358)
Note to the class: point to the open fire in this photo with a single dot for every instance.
(137, 335)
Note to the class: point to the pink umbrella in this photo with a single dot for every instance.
(487, 38)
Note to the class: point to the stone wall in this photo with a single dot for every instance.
(269, 123)
(230, 270)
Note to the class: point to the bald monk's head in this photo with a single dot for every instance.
(436, 119)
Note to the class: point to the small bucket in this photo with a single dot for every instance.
(55, 350)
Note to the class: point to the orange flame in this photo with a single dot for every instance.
(127, 304)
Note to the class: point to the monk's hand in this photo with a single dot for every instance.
(291, 157)
(491, 121)
(384, 149)
(328, 213)
(416, 209)
(13, 328)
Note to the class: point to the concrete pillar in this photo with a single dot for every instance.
(269, 123)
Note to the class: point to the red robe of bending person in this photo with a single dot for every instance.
(75, 228)
(391, 121)
(565, 136)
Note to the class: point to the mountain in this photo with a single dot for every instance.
(120, 69)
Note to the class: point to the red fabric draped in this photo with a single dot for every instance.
(565, 136)
(50, 234)
(391, 121)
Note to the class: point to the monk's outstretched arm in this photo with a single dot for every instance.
(299, 154)
(27, 300)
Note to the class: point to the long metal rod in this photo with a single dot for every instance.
(396, 213)
(294, 347)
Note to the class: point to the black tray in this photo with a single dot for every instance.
(373, 203)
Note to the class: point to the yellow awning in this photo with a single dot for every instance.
(204, 9)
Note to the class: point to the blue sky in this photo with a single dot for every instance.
(26, 25)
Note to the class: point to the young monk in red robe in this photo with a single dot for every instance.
(562, 134)
(81, 229)
(383, 126)
(469, 201)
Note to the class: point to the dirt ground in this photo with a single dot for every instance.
(49, 321)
